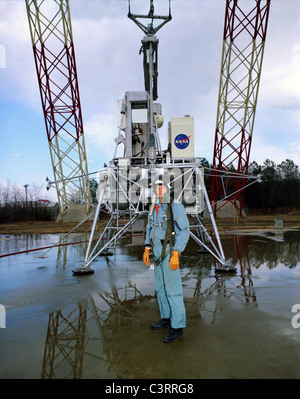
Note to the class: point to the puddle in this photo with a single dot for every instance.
(98, 326)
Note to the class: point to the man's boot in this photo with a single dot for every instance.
(173, 335)
(163, 323)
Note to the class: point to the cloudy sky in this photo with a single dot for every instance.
(107, 47)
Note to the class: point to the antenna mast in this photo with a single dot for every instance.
(149, 48)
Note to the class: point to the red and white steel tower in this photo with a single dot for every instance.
(244, 38)
(53, 49)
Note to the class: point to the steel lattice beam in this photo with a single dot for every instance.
(65, 342)
(53, 49)
(242, 55)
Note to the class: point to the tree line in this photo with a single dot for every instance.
(21, 204)
(279, 190)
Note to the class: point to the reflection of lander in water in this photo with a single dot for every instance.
(208, 300)
(80, 335)
(239, 287)
(241, 259)
(91, 335)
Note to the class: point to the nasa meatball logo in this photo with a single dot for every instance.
(182, 141)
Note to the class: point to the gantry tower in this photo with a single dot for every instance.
(53, 49)
(244, 38)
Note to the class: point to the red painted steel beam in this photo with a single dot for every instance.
(243, 44)
(54, 56)
(59, 100)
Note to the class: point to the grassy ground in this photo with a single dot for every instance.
(253, 222)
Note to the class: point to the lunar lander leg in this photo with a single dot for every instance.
(202, 236)
(113, 231)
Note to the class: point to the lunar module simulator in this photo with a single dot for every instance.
(126, 186)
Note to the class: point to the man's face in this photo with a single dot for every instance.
(161, 191)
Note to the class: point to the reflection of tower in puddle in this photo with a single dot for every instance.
(225, 284)
(241, 254)
(81, 337)
(61, 260)
(64, 251)
(240, 257)
(65, 343)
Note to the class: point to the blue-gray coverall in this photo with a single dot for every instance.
(168, 284)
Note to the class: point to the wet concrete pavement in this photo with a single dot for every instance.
(98, 326)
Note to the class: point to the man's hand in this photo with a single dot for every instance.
(174, 261)
(146, 256)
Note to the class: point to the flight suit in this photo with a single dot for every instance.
(168, 283)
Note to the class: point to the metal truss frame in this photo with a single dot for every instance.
(54, 55)
(122, 220)
(242, 55)
(65, 342)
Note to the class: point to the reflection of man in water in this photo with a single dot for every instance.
(163, 219)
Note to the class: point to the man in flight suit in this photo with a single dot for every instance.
(164, 218)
